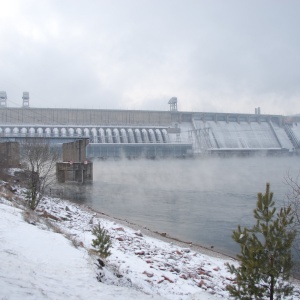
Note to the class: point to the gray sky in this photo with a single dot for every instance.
(214, 56)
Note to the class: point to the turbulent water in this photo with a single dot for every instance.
(199, 201)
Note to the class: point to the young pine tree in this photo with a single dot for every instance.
(102, 241)
(265, 260)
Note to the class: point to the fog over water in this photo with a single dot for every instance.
(196, 200)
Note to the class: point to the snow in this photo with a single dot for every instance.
(40, 264)
(48, 255)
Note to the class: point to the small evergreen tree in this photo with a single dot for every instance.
(265, 258)
(102, 242)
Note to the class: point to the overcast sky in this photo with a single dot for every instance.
(214, 56)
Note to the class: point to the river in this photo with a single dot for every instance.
(196, 200)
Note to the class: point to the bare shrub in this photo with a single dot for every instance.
(40, 161)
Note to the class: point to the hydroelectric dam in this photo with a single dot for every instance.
(155, 134)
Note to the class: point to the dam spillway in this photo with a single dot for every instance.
(136, 133)
(245, 133)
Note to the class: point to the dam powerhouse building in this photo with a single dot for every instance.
(153, 134)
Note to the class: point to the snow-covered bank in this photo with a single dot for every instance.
(38, 263)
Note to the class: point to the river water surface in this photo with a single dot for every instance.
(196, 200)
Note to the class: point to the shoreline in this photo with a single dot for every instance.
(158, 235)
(163, 236)
(167, 238)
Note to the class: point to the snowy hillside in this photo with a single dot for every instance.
(39, 262)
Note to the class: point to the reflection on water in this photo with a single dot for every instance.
(200, 201)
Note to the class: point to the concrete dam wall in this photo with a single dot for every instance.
(90, 117)
(115, 133)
